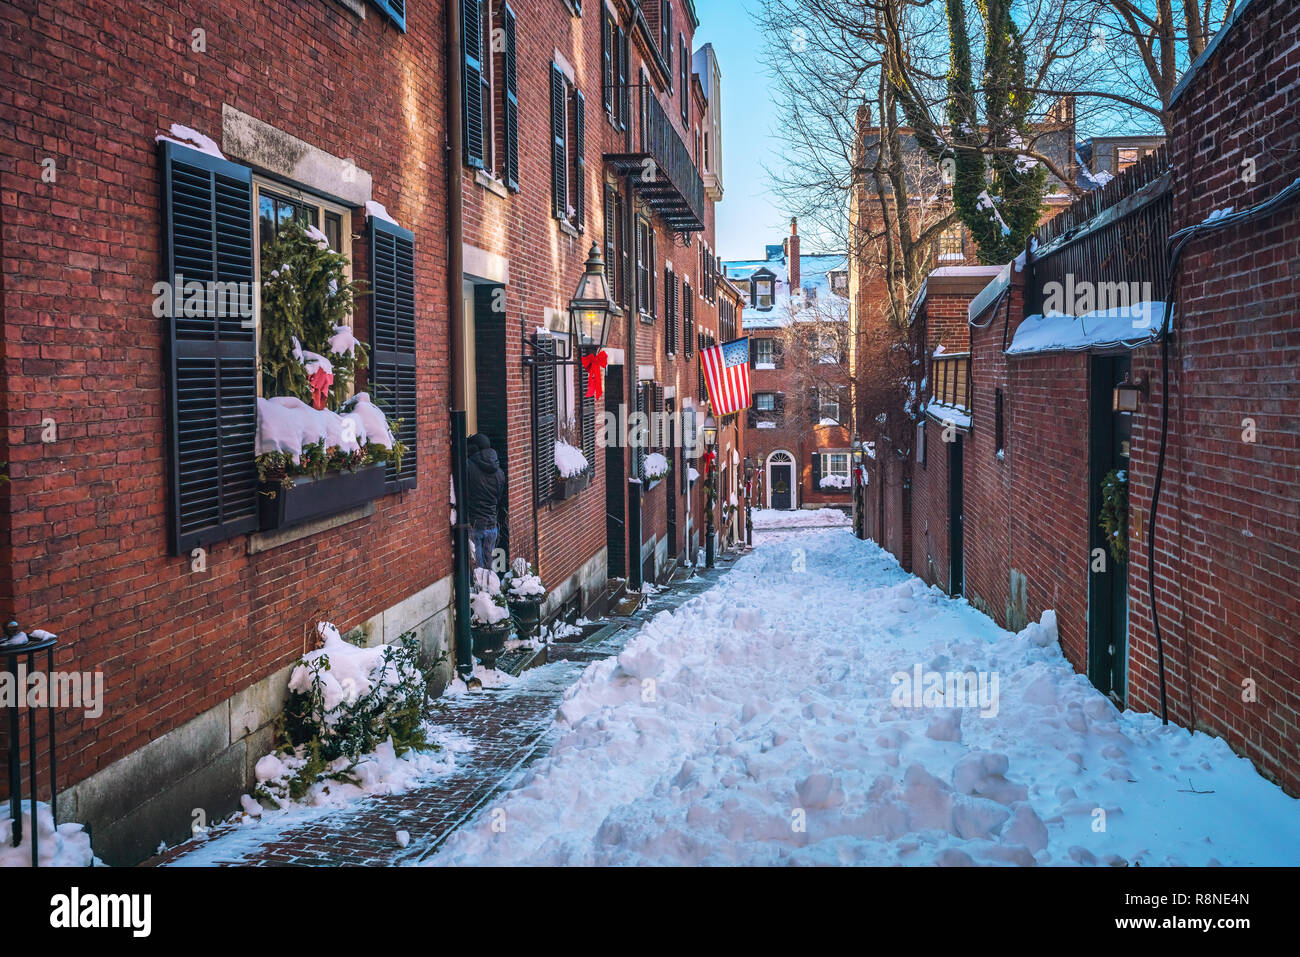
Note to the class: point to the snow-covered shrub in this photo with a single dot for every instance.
(569, 461)
(346, 700)
(655, 466)
(487, 601)
(522, 583)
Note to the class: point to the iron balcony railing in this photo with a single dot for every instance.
(662, 170)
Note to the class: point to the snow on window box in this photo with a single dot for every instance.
(764, 366)
(655, 466)
(569, 461)
(834, 481)
(948, 414)
(765, 425)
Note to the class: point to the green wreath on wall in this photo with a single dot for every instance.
(1113, 518)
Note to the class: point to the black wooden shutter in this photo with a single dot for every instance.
(778, 352)
(753, 352)
(652, 307)
(778, 406)
(512, 104)
(624, 99)
(814, 407)
(688, 313)
(659, 407)
(580, 160)
(559, 173)
(544, 419)
(816, 471)
(684, 55)
(392, 339)
(607, 57)
(670, 311)
(609, 214)
(472, 74)
(212, 397)
(588, 415)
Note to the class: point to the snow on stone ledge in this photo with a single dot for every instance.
(66, 845)
(1128, 326)
(568, 460)
(286, 424)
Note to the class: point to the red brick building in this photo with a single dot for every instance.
(133, 523)
(1060, 406)
(130, 525)
(799, 428)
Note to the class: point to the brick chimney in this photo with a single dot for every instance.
(792, 256)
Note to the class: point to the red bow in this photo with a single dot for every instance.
(595, 364)
(320, 382)
(708, 462)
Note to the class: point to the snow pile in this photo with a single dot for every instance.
(380, 771)
(487, 603)
(655, 466)
(569, 462)
(311, 361)
(287, 424)
(946, 414)
(799, 518)
(344, 342)
(184, 136)
(66, 845)
(525, 587)
(376, 210)
(758, 725)
(345, 671)
(1129, 326)
(692, 474)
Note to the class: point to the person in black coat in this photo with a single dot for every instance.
(487, 490)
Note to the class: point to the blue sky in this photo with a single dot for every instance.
(746, 217)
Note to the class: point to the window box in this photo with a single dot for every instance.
(566, 488)
(310, 497)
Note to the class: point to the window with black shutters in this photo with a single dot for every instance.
(544, 422)
(688, 319)
(609, 214)
(608, 63)
(666, 30)
(643, 429)
(651, 269)
(622, 101)
(559, 145)
(475, 104)
(392, 340)
(212, 360)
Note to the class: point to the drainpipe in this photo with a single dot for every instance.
(456, 310)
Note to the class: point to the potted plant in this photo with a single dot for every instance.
(489, 619)
(572, 471)
(525, 594)
(655, 468)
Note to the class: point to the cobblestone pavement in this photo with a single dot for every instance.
(509, 728)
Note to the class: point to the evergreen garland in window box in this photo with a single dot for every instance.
(1113, 517)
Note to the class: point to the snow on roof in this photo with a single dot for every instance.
(814, 282)
(958, 416)
(1127, 326)
(967, 271)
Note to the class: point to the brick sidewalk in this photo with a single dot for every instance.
(509, 728)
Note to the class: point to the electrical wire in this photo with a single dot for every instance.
(1177, 244)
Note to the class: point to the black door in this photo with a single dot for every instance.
(1108, 578)
(615, 483)
(670, 486)
(956, 521)
(781, 486)
(490, 386)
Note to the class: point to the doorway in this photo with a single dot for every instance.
(615, 481)
(956, 521)
(1108, 448)
(780, 481)
(670, 438)
(488, 394)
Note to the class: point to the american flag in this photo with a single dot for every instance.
(726, 373)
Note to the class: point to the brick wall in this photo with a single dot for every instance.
(1228, 534)
(86, 517)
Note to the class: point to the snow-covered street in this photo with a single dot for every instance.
(771, 720)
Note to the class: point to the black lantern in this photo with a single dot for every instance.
(590, 306)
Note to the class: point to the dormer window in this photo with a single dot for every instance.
(762, 297)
